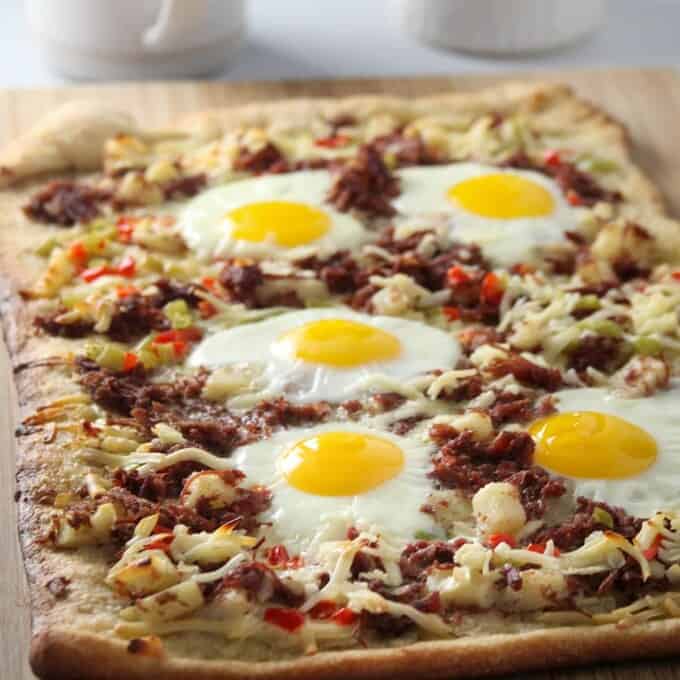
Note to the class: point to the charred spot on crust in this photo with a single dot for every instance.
(58, 586)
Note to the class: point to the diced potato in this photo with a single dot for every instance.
(210, 486)
(151, 572)
(97, 531)
(498, 509)
(172, 603)
(541, 588)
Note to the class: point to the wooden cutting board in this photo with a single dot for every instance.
(647, 101)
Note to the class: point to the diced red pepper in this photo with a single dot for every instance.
(653, 550)
(323, 609)
(161, 543)
(457, 275)
(522, 269)
(185, 335)
(278, 555)
(90, 429)
(126, 291)
(179, 347)
(126, 228)
(127, 266)
(552, 158)
(540, 548)
(333, 142)
(492, 289)
(94, 273)
(574, 198)
(676, 275)
(206, 309)
(179, 339)
(130, 360)
(451, 313)
(288, 619)
(209, 282)
(78, 254)
(352, 533)
(344, 617)
(496, 539)
(328, 610)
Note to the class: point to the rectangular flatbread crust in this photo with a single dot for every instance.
(73, 635)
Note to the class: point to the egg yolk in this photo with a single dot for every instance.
(287, 224)
(587, 444)
(339, 342)
(502, 196)
(340, 463)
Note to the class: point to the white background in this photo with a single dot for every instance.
(332, 38)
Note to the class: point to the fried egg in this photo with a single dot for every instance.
(507, 212)
(625, 452)
(328, 354)
(272, 215)
(344, 472)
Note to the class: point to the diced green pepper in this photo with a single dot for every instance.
(179, 314)
(604, 327)
(103, 227)
(598, 166)
(588, 302)
(647, 346)
(153, 354)
(154, 263)
(95, 243)
(424, 535)
(93, 349)
(111, 357)
(601, 516)
(46, 247)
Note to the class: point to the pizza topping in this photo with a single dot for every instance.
(597, 351)
(184, 187)
(528, 373)
(241, 281)
(417, 558)
(333, 142)
(262, 583)
(267, 158)
(579, 187)
(364, 184)
(61, 324)
(66, 203)
(126, 268)
(475, 293)
(466, 464)
(400, 150)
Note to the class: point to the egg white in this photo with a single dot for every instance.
(423, 349)
(503, 241)
(393, 508)
(206, 228)
(656, 489)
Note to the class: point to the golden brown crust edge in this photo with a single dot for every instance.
(60, 654)
(52, 146)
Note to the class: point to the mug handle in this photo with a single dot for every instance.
(175, 19)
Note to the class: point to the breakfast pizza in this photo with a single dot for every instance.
(356, 388)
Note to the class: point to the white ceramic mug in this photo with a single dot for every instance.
(501, 26)
(122, 39)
